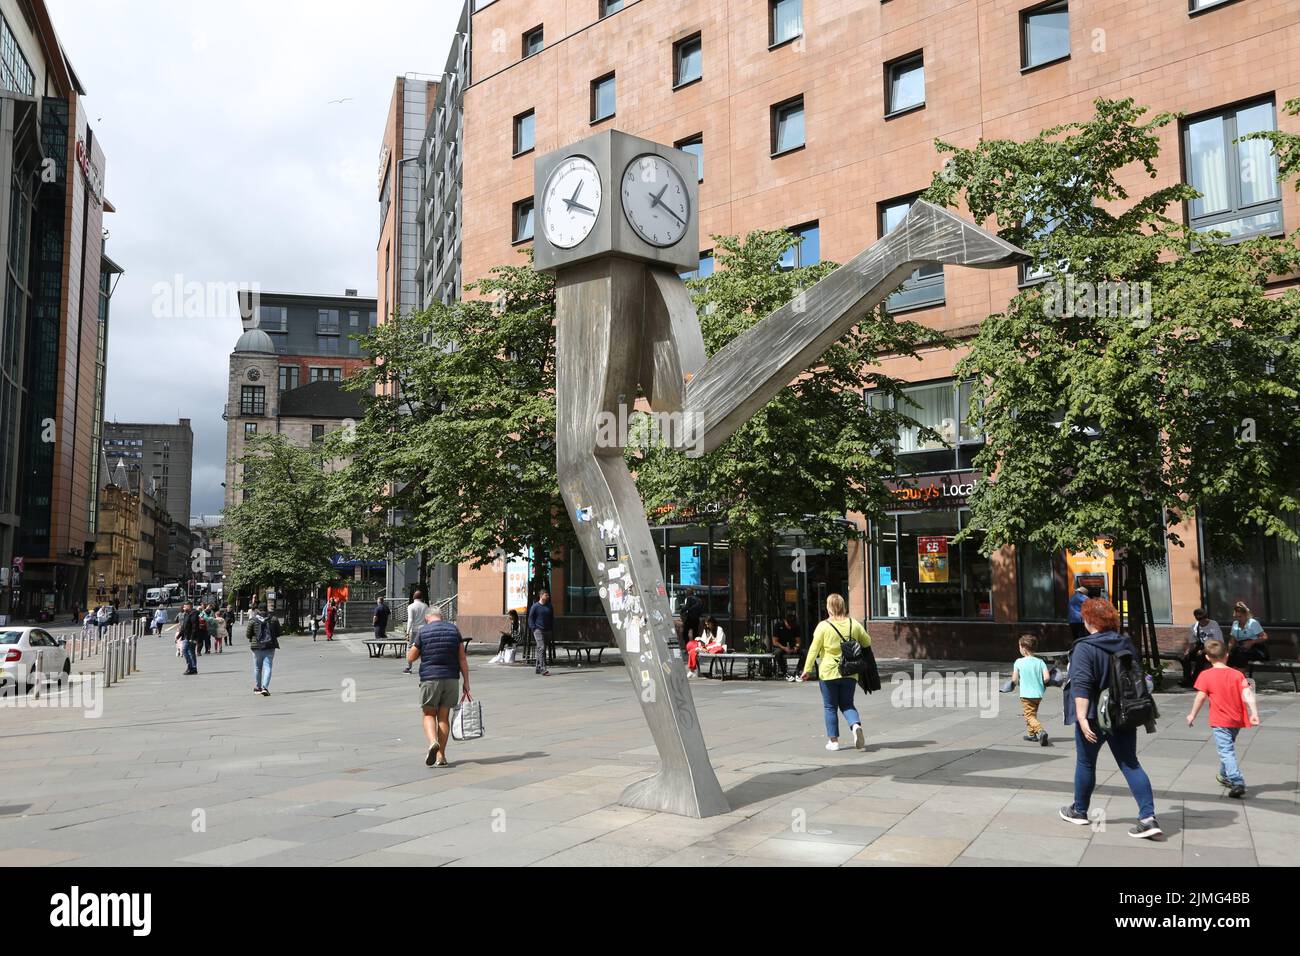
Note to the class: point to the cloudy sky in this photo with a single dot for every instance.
(228, 163)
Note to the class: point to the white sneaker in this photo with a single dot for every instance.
(859, 738)
(690, 673)
(832, 745)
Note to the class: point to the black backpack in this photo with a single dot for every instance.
(852, 660)
(1126, 702)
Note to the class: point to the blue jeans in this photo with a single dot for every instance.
(1225, 739)
(191, 661)
(262, 661)
(837, 695)
(1123, 746)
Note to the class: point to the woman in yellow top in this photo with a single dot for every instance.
(837, 691)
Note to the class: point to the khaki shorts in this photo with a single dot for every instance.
(443, 692)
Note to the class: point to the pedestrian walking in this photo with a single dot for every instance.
(102, 619)
(263, 633)
(159, 621)
(1093, 663)
(441, 653)
(1075, 615)
(214, 625)
(1232, 707)
(541, 624)
(187, 632)
(380, 619)
(786, 640)
(415, 614)
(825, 653)
(1031, 675)
(331, 619)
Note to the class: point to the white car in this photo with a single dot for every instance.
(21, 648)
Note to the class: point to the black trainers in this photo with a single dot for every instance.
(1042, 738)
(1071, 815)
(1237, 792)
(1145, 829)
(1033, 737)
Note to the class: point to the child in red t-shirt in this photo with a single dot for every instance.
(1232, 707)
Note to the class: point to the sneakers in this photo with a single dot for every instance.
(1032, 737)
(832, 745)
(690, 674)
(790, 678)
(1145, 829)
(1223, 781)
(859, 737)
(1238, 792)
(1071, 815)
(266, 692)
(257, 690)
(1042, 739)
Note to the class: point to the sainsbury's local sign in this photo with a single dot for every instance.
(943, 491)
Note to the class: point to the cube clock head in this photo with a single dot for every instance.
(615, 194)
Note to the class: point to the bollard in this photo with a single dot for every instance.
(108, 670)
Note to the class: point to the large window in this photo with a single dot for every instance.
(1237, 181)
(917, 571)
(924, 287)
(325, 374)
(785, 21)
(15, 72)
(1263, 576)
(289, 377)
(695, 146)
(904, 84)
(1044, 34)
(1045, 581)
(525, 128)
(523, 220)
(787, 126)
(271, 318)
(943, 408)
(327, 345)
(602, 98)
(807, 251)
(688, 60)
(327, 322)
(252, 400)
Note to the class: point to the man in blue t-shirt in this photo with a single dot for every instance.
(541, 622)
(1077, 630)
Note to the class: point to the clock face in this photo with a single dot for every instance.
(254, 374)
(571, 202)
(656, 200)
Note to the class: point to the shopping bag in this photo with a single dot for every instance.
(508, 655)
(467, 721)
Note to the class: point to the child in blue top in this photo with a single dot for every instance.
(1031, 676)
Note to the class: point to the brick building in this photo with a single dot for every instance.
(820, 116)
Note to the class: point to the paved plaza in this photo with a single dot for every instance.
(329, 770)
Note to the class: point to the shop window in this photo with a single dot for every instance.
(918, 571)
(581, 592)
(1046, 581)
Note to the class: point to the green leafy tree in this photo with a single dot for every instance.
(1286, 146)
(1149, 376)
(282, 530)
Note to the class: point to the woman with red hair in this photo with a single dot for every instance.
(1090, 663)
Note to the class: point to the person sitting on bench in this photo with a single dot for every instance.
(712, 640)
(1248, 641)
(1193, 658)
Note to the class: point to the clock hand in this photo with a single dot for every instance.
(577, 205)
(656, 201)
(574, 199)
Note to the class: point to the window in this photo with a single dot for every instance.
(925, 285)
(252, 400)
(610, 6)
(602, 98)
(695, 146)
(523, 220)
(785, 19)
(703, 270)
(919, 572)
(327, 322)
(533, 42)
(944, 408)
(524, 128)
(289, 377)
(688, 60)
(15, 72)
(327, 345)
(1237, 181)
(787, 126)
(271, 318)
(317, 432)
(250, 429)
(904, 84)
(1044, 34)
(807, 251)
(325, 374)
(1195, 6)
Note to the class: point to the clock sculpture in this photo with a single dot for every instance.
(619, 217)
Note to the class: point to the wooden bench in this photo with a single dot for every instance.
(726, 663)
(577, 648)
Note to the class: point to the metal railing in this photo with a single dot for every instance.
(118, 644)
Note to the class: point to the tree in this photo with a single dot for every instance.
(1150, 375)
(814, 453)
(461, 438)
(282, 530)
